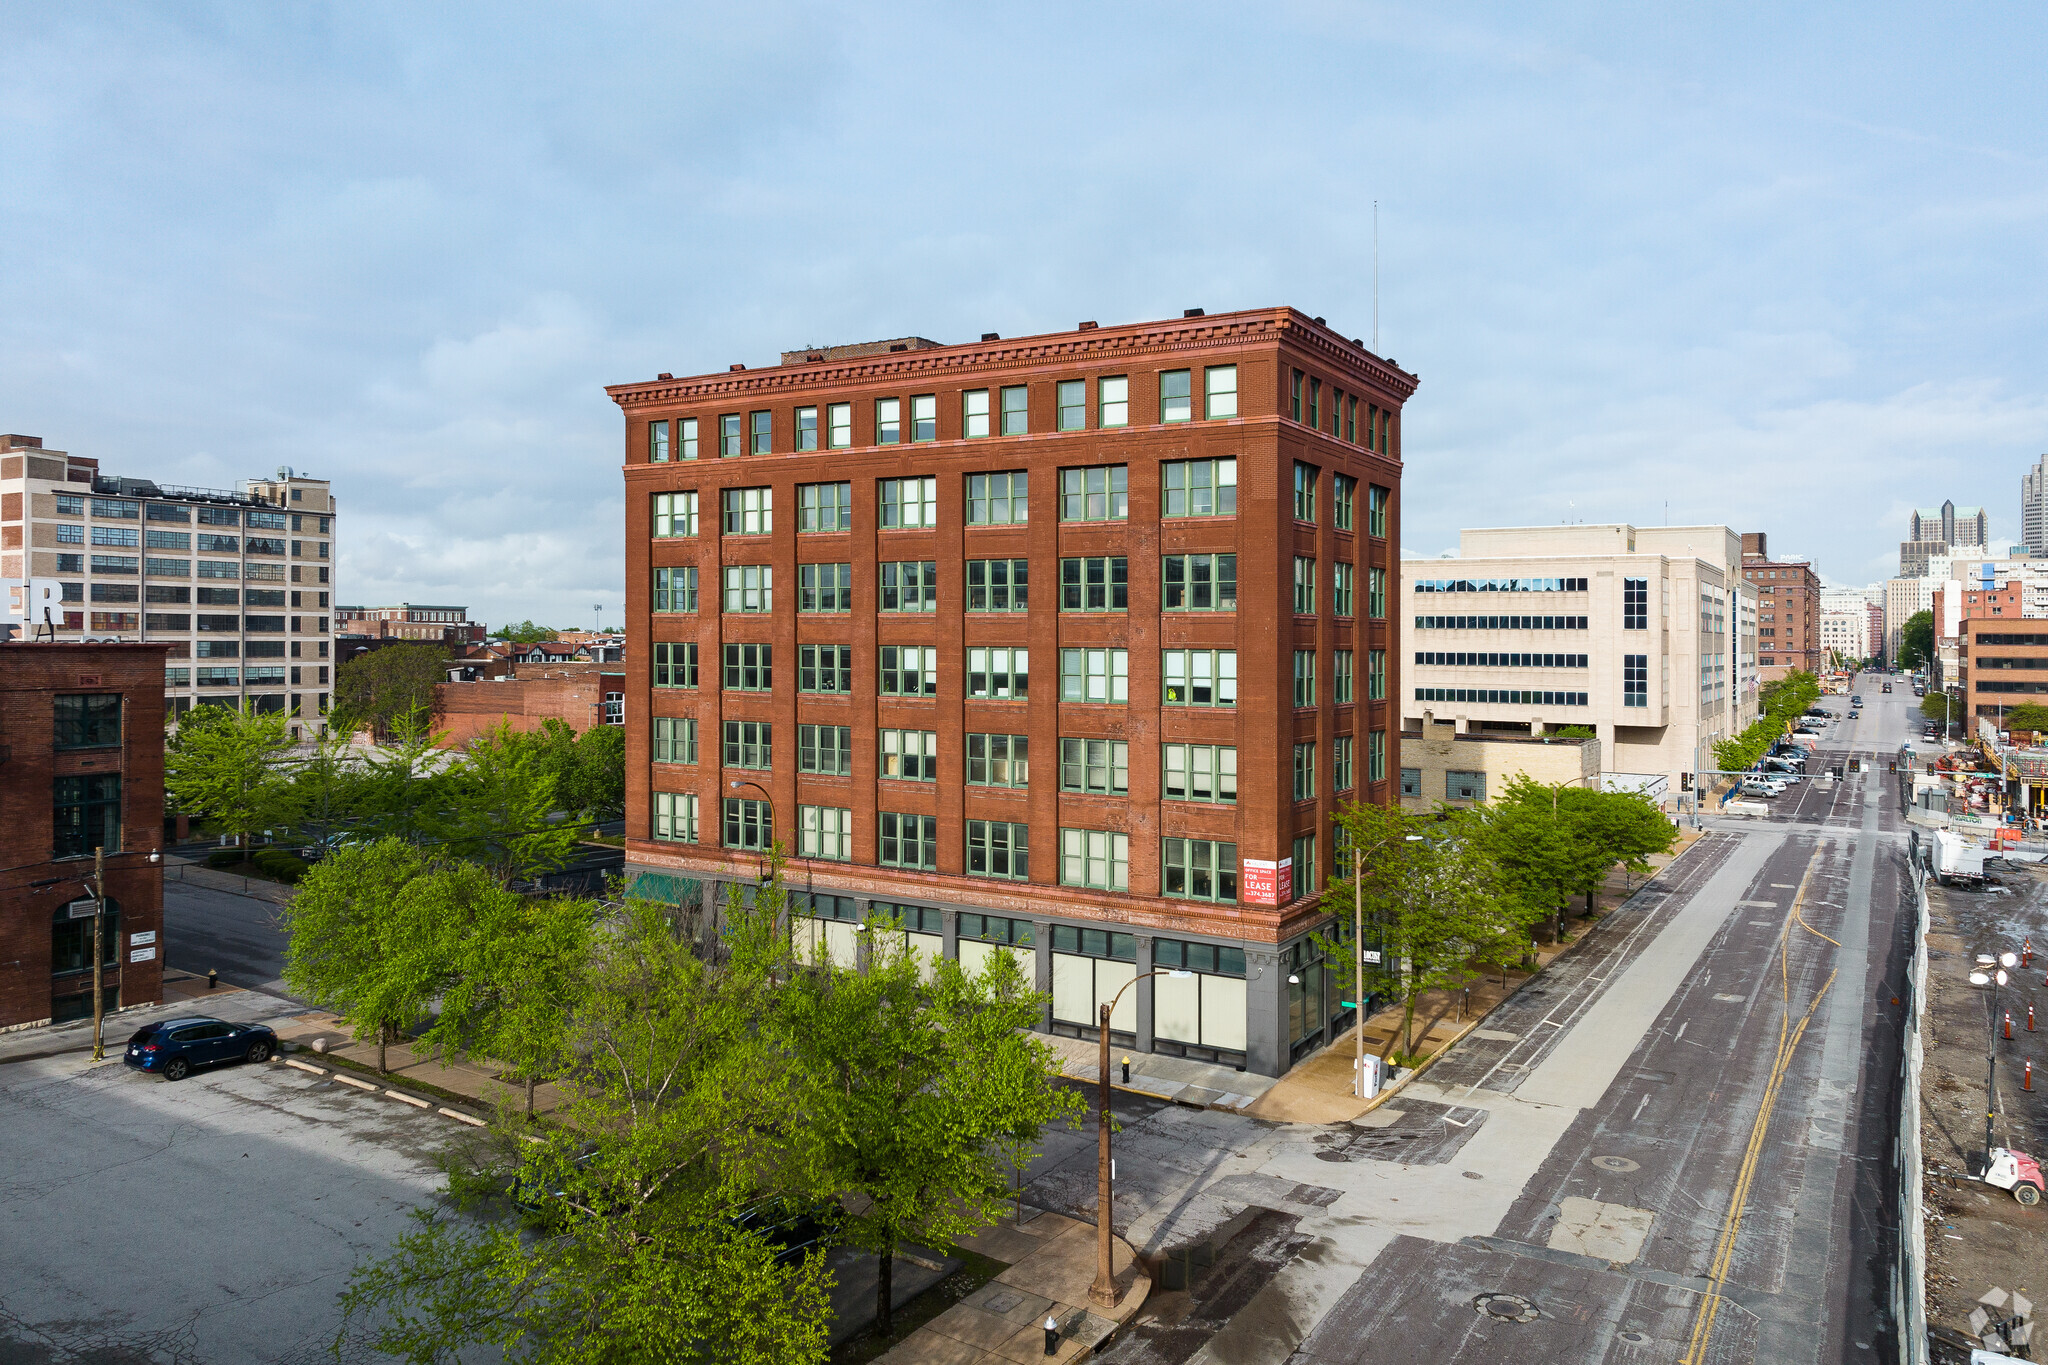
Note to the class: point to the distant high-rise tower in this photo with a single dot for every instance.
(2034, 507)
(1951, 524)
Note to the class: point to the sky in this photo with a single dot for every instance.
(1779, 267)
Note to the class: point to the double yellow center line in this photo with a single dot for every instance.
(1789, 1035)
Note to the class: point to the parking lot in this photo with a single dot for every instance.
(209, 1220)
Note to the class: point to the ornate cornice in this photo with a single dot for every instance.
(1226, 330)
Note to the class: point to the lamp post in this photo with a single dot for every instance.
(1993, 974)
(1103, 1291)
(736, 784)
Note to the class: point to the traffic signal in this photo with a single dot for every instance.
(1685, 782)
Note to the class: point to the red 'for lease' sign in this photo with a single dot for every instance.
(1266, 883)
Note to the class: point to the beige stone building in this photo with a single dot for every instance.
(1443, 767)
(236, 581)
(1644, 635)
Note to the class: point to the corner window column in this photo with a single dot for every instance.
(1265, 1004)
(1041, 953)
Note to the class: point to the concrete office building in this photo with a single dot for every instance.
(236, 582)
(1072, 642)
(1902, 598)
(1646, 635)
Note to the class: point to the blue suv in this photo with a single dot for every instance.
(175, 1046)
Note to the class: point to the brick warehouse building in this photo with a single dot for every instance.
(875, 583)
(81, 763)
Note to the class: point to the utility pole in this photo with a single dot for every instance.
(1358, 948)
(99, 919)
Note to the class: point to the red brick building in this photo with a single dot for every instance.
(582, 695)
(1787, 611)
(81, 765)
(1073, 642)
(2001, 663)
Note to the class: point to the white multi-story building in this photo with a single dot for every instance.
(1645, 635)
(237, 582)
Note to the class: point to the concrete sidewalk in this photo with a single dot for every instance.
(1052, 1263)
(184, 994)
(198, 874)
(1201, 1084)
(475, 1080)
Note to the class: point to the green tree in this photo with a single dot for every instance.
(497, 805)
(677, 1121)
(372, 690)
(918, 1092)
(519, 971)
(2026, 716)
(597, 786)
(1938, 707)
(525, 633)
(221, 766)
(404, 779)
(1432, 897)
(369, 936)
(326, 791)
(1916, 641)
(1783, 701)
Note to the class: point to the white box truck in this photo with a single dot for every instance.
(1958, 861)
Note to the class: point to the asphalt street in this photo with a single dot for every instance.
(212, 1219)
(241, 937)
(1675, 1148)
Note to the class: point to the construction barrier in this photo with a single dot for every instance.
(1909, 1278)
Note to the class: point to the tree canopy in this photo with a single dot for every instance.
(372, 690)
(525, 633)
(222, 767)
(1783, 700)
(1916, 640)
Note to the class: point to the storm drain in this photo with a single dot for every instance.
(1505, 1308)
(1615, 1163)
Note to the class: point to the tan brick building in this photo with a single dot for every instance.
(1074, 642)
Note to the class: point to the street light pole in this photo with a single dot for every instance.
(1103, 1292)
(1358, 978)
(1996, 979)
(99, 919)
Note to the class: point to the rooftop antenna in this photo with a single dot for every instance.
(1375, 277)
(597, 618)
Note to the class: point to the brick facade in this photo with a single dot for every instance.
(573, 693)
(35, 886)
(1265, 438)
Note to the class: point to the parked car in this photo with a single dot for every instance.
(174, 1047)
(1887, 687)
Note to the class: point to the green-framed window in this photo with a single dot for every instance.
(826, 749)
(1341, 676)
(1198, 772)
(998, 584)
(1340, 764)
(910, 671)
(675, 664)
(1198, 869)
(1016, 410)
(909, 585)
(1305, 771)
(1304, 586)
(675, 514)
(888, 421)
(675, 739)
(824, 587)
(1219, 390)
(998, 848)
(1198, 583)
(749, 744)
(824, 832)
(908, 840)
(1176, 395)
(675, 589)
(1199, 488)
(999, 499)
(1073, 404)
(824, 668)
(909, 755)
(1095, 583)
(1095, 493)
(998, 760)
(1305, 477)
(824, 507)
(1095, 857)
(1095, 675)
(999, 674)
(1343, 499)
(974, 413)
(675, 817)
(1304, 677)
(749, 588)
(749, 511)
(1198, 677)
(749, 668)
(1095, 765)
(1341, 581)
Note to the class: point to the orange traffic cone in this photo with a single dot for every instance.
(2027, 1081)
(2008, 1023)
(2030, 1018)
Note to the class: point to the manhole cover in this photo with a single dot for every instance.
(1633, 1338)
(1505, 1307)
(1474, 1175)
(1615, 1163)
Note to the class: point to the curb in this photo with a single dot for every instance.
(337, 1074)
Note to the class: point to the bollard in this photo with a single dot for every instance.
(1127, 1071)
(212, 976)
(1052, 1336)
